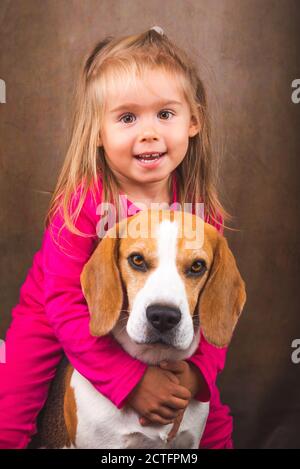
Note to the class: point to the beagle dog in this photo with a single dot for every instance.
(153, 282)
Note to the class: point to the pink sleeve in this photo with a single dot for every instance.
(102, 361)
(210, 360)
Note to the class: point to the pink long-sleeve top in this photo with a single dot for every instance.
(53, 282)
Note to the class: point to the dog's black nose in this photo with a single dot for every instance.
(163, 317)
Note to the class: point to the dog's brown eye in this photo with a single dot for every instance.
(137, 261)
(198, 267)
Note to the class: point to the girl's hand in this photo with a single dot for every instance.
(159, 397)
(188, 374)
(190, 377)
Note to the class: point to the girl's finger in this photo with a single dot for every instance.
(181, 392)
(168, 412)
(157, 419)
(172, 376)
(177, 403)
(174, 366)
(144, 421)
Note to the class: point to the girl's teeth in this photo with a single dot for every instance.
(148, 161)
(149, 157)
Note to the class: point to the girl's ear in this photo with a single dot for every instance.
(194, 127)
(223, 297)
(102, 287)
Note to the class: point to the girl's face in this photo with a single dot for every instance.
(152, 117)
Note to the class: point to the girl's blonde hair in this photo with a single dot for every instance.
(114, 61)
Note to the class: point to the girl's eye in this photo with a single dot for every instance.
(138, 262)
(166, 112)
(127, 117)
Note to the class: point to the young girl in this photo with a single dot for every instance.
(136, 95)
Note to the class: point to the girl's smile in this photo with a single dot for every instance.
(150, 162)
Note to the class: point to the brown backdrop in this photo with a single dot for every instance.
(249, 53)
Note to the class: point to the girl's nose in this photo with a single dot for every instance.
(149, 134)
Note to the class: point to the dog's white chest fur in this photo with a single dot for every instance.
(101, 425)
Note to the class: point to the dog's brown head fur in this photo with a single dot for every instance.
(214, 288)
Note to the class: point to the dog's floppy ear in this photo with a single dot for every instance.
(223, 297)
(102, 287)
